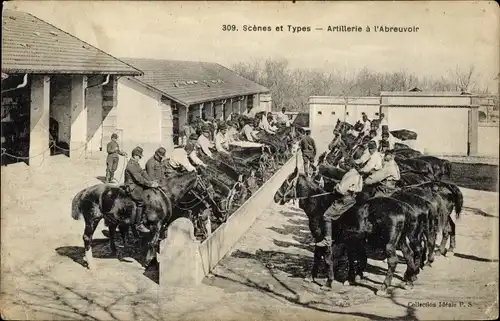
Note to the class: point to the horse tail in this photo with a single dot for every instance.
(458, 197)
(75, 205)
(447, 168)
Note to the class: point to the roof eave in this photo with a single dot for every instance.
(70, 72)
(191, 102)
(183, 103)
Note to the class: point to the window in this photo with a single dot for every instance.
(333, 113)
(347, 113)
(320, 113)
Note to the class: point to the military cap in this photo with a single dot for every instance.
(193, 136)
(385, 128)
(137, 151)
(222, 126)
(161, 152)
(114, 135)
(372, 144)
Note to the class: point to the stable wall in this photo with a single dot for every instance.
(139, 117)
(488, 141)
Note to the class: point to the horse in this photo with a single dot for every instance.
(416, 165)
(449, 198)
(387, 222)
(114, 205)
(441, 167)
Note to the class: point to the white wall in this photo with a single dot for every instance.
(139, 117)
(488, 140)
(441, 131)
(93, 99)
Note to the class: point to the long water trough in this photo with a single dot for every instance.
(184, 261)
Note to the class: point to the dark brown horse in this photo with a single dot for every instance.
(386, 223)
(114, 205)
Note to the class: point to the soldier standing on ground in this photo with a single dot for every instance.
(114, 151)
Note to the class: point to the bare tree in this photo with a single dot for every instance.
(464, 80)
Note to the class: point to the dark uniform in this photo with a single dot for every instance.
(155, 167)
(112, 160)
(308, 148)
(135, 183)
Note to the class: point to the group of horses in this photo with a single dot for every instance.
(206, 196)
(408, 220)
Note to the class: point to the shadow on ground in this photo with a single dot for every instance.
(481, 177)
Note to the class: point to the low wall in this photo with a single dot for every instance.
(488, 140)
(181, 266)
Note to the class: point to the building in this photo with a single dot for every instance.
(324, 111)
(446, 122)
(152, 108)
(56, 90)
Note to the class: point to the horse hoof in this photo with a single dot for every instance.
(408, 286)
(382, 293)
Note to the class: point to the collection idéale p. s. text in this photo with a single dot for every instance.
(333, 28)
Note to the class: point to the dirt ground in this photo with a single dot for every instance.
(42, 276)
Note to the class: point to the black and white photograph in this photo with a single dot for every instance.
(249, 160)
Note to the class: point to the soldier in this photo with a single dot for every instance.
(308, 148)
(204, 142)
(135, 183)
(374, 162)
(366, 124)
(191, 149)
(112, 160)
(154, 166)
(388, 175)
(221, 143)
(282, 118)
(350, 184)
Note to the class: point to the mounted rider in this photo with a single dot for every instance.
(247, 131)
(388, 176)
(204, 142)
(264, 125)
(349, 186)
(374, 162)
(154, 165)
(192, 148)
(232, 132)
(282, 118)
(135, 182)
(221, 141)
(366, 124)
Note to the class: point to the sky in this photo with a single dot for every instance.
(451, 34)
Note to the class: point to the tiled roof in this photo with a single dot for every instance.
(190, 82)
(31, 45)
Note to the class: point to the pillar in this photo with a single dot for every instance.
(201, 110)
(79, 118)
(39, 120)
(473, 130)
(167, 125)
(109, 111)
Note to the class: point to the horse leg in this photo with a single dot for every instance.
(392, 262)
(328, 255)
(153, 243)
(315, 267)
(90, 226)
(112, 234)
(431, 243)
(452, 235)
(446, 234)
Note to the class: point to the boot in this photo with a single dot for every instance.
(139, 225)
(327, 241)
